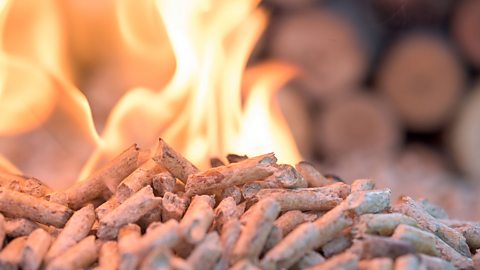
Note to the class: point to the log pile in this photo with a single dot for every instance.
(161, 212)
(380, 79)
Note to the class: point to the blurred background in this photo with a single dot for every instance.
(387, 89)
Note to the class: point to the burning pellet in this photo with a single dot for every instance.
(430, 244)
(344, 261)
(163, 182)
(138, 179)
(376, 264)
(365, 202)
(306, 237)
(225, 211)
(108, 177)
(362, 185)
(20, 183)
(407, 262)
(244, 265)
(173, 161)
(313, 177)
(2, 230)
(435, 263)
(305, 199)
(174, 206)
(255, 232)
(17, 227)
(231, 175)
(249, 190)
(107, 207)
(157, 259)
(234, 192)
(411, 208)
(337, 245)
(310, 259)
(11, 255)
(370, 246)
(79, 256)
(234, 158)
(21, 205)
(197, 220)
(228, 237)
(128, 212)
(128, 237)
(382, 224)
(288, 177)
(206, 253)
(109, 257)
(35, 249)
(77, 228)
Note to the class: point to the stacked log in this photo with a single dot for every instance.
(412, 118)
(324, 44)
(360, 123)
(423, 80)
(465, 134)
(466, 31)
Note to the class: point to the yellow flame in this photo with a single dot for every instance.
(212, 104)
(7, 166)
(200, 111)
(46, 127)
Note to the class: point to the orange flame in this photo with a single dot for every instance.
(209, 107)
(42, 114)
(200, 111)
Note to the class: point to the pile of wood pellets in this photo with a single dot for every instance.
(155, 210)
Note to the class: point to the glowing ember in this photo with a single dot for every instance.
(208, 108)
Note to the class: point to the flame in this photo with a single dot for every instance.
(43, 116)
(200, 111)
(207, 102)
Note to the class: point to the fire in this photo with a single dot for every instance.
(212, 105)
(46, 127)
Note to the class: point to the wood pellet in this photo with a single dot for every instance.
(165, 213)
